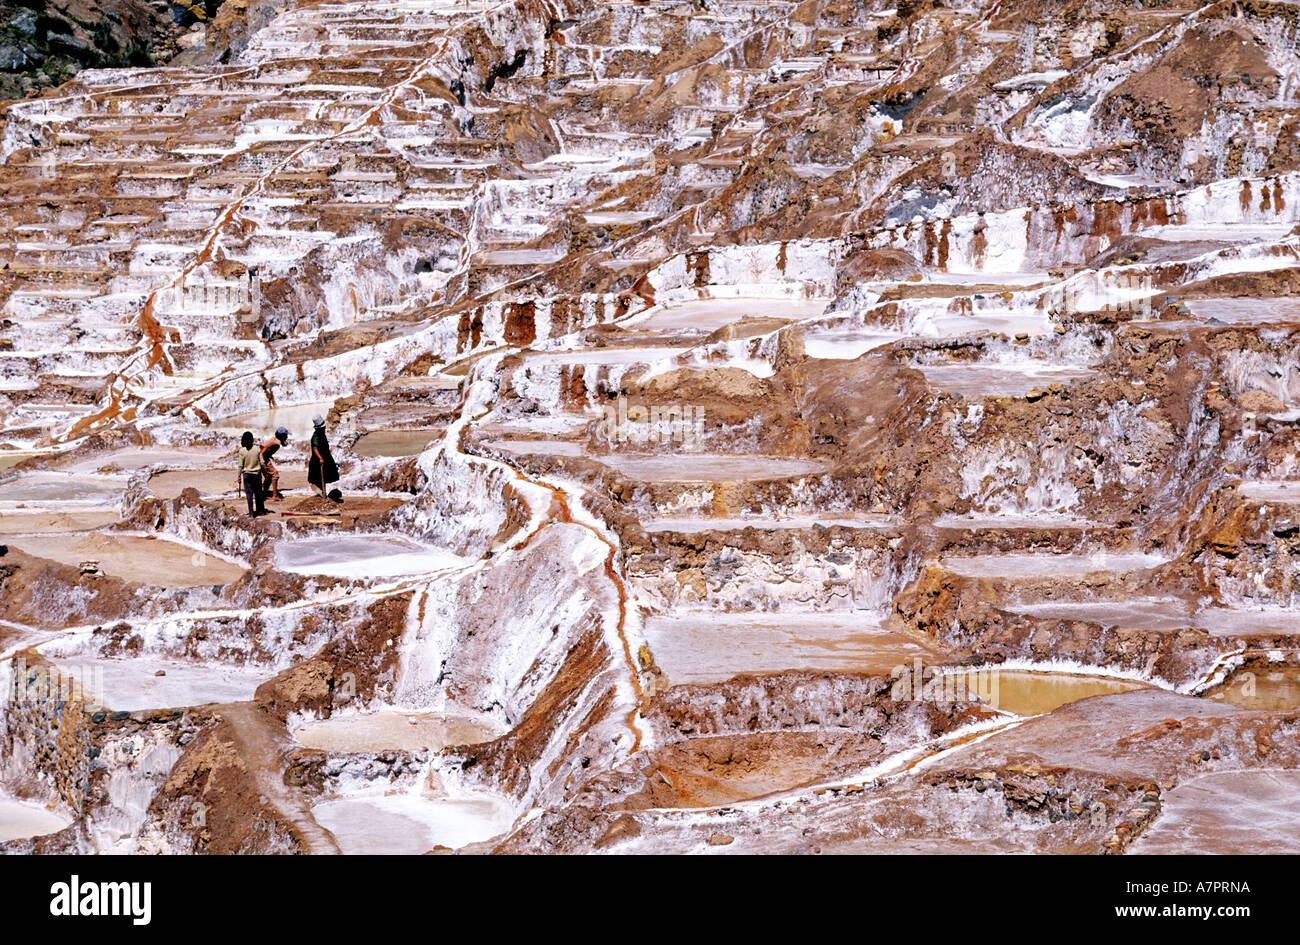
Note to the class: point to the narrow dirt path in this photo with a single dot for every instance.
(263, 746)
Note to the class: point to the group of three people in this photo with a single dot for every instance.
(259, 478)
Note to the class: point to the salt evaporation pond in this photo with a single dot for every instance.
(595, 356)
(408, 825)
(713, 647)
(391, 443)
(988, 278)
(532, 447)
(518, 257)
(20, 820)
(693, 524)
(133, 459)
(62, 489)
(845, 345)
(392, 730)
(951, 325)
(1262, 690)
(1228, 812)
(362, 556)
(1235, 311)
(671, 467)
(1030, 692)
(1271, 491)
(1163, 614)
(998, 380)
(1228, 232)
(707, 315)
(981, 521)
(13, 458)
(701, 467)
(1048, 565)
(142, 559)
(36, 523)
(130, 685)
(297, 418)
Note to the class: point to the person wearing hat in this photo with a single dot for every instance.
(250, 474)
(321, 468)
(270, 472)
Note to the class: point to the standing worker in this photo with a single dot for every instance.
(321, 468)
(270, 472)
(250, 474)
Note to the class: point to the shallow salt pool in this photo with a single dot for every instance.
(1271, 491)
(262, 423)
(389, 443)
(22, 819)
(1244, 812)
(679, 466)
(692, 524)
(715, 467)
(1029, 692)
(1262, 690)
(407, 824)
(13, 458)
(362, 556)
(845, 345)
(979, 521)
(989, 380)
(142, 559)
(1154, 613)
(392, 730)
(130, 685)
(53, 489)
(712, 647)
(1049, 565)
(707, 315)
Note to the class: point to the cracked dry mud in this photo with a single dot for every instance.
(763, 427)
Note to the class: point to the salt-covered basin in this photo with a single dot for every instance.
(390, 443)
(1156, 613)
(362, 556)
(1026, 692)
(20, 820)
(130, 685)
(141, 559)
(712, 647)
(392, 730)
(1245, 812)
(408, 824)
(57, 490)
(1263, 690)
(1027, 565)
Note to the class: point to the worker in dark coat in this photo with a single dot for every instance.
(321, 468)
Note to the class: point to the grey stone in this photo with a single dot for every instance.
(25, 23)
(12, 58)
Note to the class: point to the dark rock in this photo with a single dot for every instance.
(12, 58)
(24, 23)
